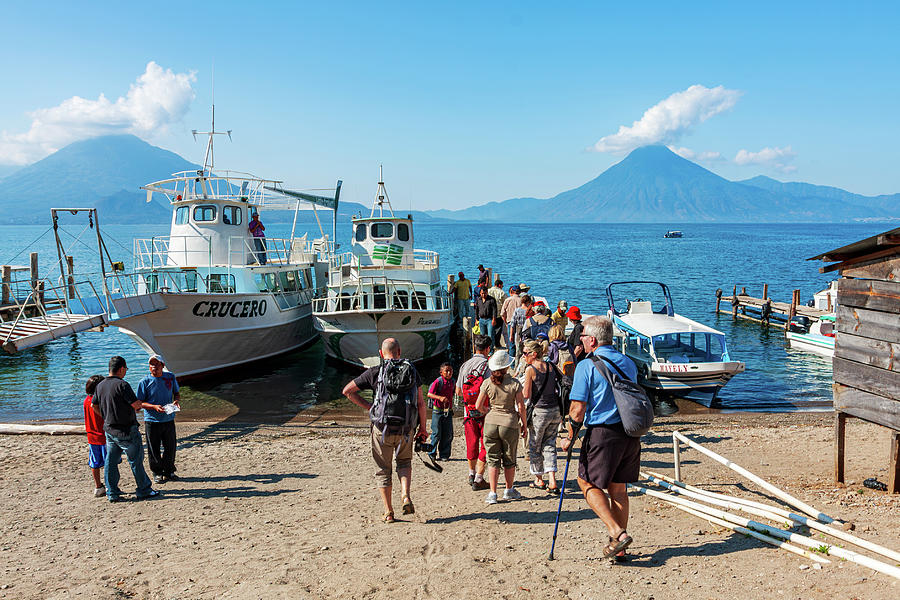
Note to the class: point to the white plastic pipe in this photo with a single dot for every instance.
(812, 524)
(775, 532)
(813, 512)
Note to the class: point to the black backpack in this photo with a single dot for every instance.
(395, 406)
(635, 408)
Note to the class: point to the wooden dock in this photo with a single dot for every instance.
(765, 310)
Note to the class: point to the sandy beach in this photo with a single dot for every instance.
(290, 511)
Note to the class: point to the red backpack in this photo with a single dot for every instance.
(472, 385)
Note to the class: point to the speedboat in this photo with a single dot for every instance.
(818, 340)
(674, 234)
(383, 288)
(676, 357)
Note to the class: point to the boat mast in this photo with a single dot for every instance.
(381, 196)
(209, 159)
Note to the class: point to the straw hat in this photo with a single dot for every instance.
(500, 360)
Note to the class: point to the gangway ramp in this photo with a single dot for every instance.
(33, 331)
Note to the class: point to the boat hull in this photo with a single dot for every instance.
(822, 345)
(699, 382)
(355, 337)
(199, 334)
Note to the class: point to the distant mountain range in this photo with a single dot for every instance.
(655, 185)
(652, 184)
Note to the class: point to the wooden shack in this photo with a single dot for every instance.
(867, 343)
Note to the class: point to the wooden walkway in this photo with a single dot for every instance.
(34, 331)
(765, 310)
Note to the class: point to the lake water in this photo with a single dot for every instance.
(572, 262)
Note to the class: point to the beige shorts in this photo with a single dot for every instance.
(501, 444)
(392, 447)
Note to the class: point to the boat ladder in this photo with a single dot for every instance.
(28, 332)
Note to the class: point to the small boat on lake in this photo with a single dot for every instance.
(383, 288)
(674, 234)
(818, 340)
(676, 357)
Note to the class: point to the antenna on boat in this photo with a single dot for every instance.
(381, 196)
(209, 159)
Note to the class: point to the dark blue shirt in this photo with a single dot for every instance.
(589, 385)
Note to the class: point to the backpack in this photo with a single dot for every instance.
(632, 402)
(395, 407)
(472, 385)
(531, 332)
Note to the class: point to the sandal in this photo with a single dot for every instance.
(388, 517)
(553, 490)
(621, 556)
(408, 507)
(542, 486)
(617, 545)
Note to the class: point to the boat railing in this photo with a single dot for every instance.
(224, 185)
(239, 251)
(397, 294)
(419, 260)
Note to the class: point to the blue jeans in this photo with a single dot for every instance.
(464, 308)
(487, 328)
(133, 447)
(260, 254)
(441, 434)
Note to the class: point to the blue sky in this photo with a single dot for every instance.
(466, 103)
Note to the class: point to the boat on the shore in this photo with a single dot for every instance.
(676, 357)
(209, 296)
(674, 233)
(383, 288)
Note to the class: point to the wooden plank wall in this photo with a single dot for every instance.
(867, 350)
(867, 356)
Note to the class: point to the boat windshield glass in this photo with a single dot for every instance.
(181, 215)
(204, 213)
(361, 232)
(382, 230)
(690, 347)
(403, 232)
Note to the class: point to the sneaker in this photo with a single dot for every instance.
(512, 494)
(159, 479)
(99, 492)
(173, 477)
(471, 480)
(150, 494)
(491, 498)
(117, 499)
(481, 485)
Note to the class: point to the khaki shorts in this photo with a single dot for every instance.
(392, 447)
(501, 444)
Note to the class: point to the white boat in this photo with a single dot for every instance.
(383, 288)
(818, 340)
(673, 233)
(676, 357)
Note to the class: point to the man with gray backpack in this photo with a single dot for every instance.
(615, 411)
(397, 414)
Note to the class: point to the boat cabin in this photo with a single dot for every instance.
(213, 231)
(383, 242)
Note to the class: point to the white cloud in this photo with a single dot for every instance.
(697, 156)
(669, 120)
(156, 99)
(778, 158)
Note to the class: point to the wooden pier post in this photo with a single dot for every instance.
(70, 260)
(765, 291)
(34, 271)
(795, 300)
(894, 475)
(743, 291)
(734, 302)
(7, 289)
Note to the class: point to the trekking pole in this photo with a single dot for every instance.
(562, 492)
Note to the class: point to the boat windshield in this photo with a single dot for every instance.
(690, 347)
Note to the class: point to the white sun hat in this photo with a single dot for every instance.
(500, 360)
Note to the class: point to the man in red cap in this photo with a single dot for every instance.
(574, 340)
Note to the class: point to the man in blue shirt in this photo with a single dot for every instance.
(158, 392)
(609, 458)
